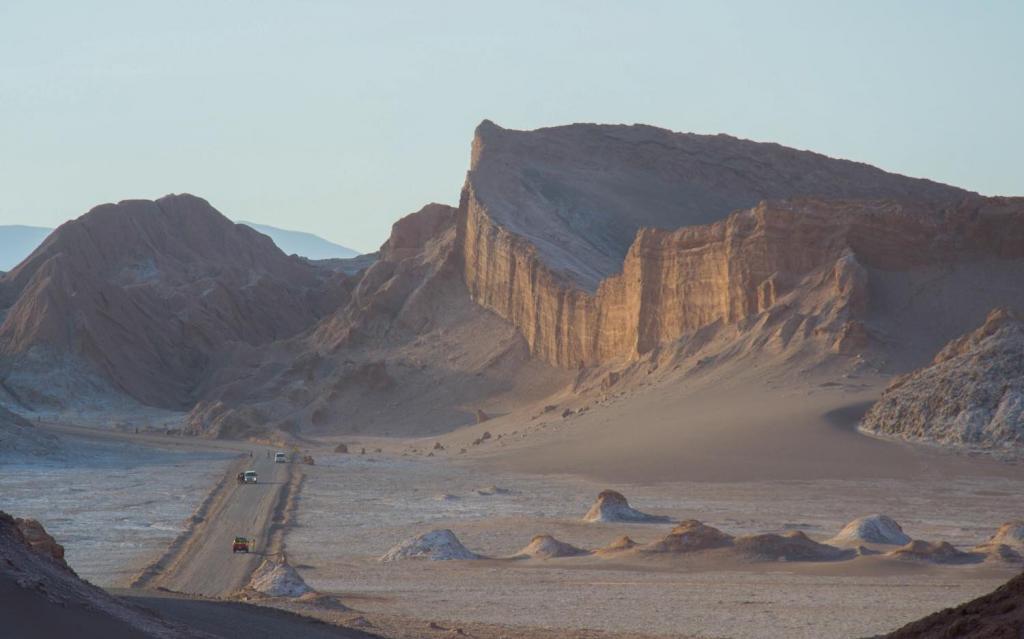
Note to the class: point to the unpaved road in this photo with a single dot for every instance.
(205, 564)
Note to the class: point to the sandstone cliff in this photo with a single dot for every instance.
(811, 256)
(133, 298)
(559, 233)
(973, 393)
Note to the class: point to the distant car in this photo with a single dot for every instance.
(280, 458)
(249, 477)
(241, 544)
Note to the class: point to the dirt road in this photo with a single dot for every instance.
(203, 563)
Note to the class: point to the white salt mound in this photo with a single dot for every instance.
(611, 506)
(436, 545)
(278, 579)
(873, 529)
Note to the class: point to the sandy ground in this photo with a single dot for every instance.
(353, 509)
(114, 505)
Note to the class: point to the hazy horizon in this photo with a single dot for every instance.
(337, 119)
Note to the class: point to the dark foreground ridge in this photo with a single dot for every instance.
(997, 615)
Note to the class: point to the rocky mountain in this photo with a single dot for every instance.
(17, 241)
(133, 299)
(303, 244)
(972, 393)
(408, 353)
(574, 252)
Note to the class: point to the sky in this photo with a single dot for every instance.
(338, 117)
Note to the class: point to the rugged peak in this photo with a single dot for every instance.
(411, 234)
(1002, 321)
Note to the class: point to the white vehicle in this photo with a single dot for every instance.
(249, 477)
(280, 458)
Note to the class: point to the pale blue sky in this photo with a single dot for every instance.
(338, 117)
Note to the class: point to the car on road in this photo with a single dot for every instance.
(280, 458)
(249, 477)
(241, 544)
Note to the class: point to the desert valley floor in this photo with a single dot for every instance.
(352, 507)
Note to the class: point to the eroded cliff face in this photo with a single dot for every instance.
(810, 254)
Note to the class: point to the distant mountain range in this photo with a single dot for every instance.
(18, 241)
(300, 243)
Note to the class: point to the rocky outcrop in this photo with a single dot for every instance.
(973, 393)
(612, 506)
(436, 545)
(40, 541)
(547, 547)
(41, 597)
(135, 298)
(871, 529)
(997, 615)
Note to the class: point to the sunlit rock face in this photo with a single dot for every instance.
(589, 269)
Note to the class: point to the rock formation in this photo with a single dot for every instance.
(997, 615)
(621, 544)
(135, 298)
(1006, 545)
(939, 552)
(689, 536)
(871, 529)
(603, 242)
(611, 506)
(436, 545)
(791, 546)
(809, 256)
(40, 541)
(973, 393)
(1011, 533)
(547, 547)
